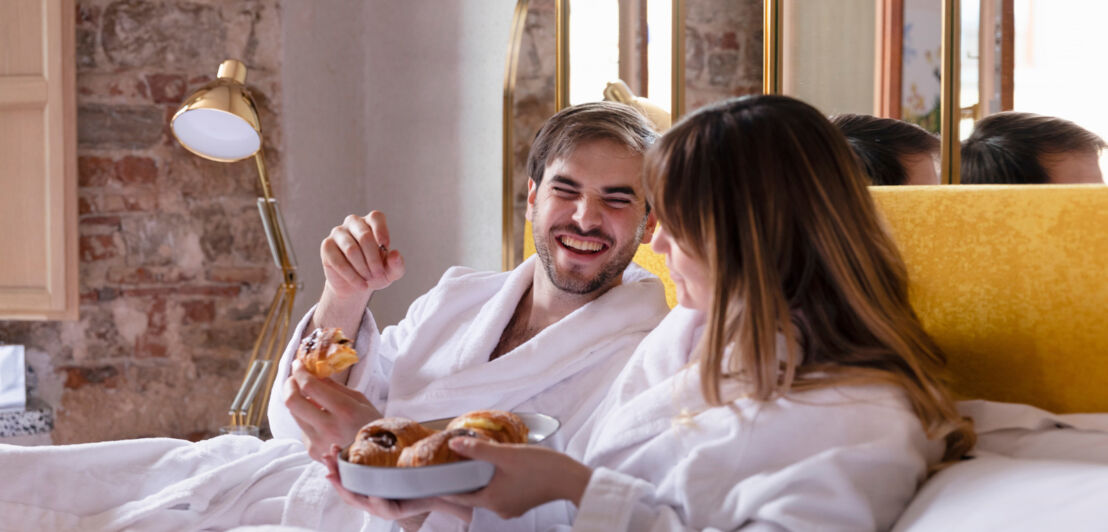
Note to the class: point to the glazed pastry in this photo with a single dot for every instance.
(326, 352)
(498, 425)
(381, 442)
(434, 450)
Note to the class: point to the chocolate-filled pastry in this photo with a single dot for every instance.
(500, 426)
(326, 352)
(381, 442)
(434, 450)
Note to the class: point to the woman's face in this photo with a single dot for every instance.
(689, 274)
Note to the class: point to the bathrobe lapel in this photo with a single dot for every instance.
(648, 396)
(428, 385)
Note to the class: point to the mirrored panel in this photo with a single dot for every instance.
(1031, 86)
(564, 52)
(875, 66)
(619, 50)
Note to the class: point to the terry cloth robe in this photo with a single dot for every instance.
(159, 484)
(845, 458)
(435, 362)
(163, 484)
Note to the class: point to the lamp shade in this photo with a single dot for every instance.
(220, 120)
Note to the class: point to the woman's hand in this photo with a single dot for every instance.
(526, 476)
(327, 412)
(409, 513)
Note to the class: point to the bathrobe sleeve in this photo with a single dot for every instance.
(377, 351)
(818, 471)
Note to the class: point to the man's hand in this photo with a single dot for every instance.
(513, 489)
(327, 412)
(409, 513)
(356, 262)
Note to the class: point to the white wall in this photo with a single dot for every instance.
(396, 106)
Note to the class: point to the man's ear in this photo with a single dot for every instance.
(532, 191)
(648, 231)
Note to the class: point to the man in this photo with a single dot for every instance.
(548, 336)
(891, 152)
(547, 339)
(1025, 148)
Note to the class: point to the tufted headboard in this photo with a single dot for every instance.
(1012, 281)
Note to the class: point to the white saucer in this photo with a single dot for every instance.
(431, 481)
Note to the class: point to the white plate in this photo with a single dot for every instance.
(434, 480)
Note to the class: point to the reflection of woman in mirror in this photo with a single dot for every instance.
(1025, 148)
(891, 152)
(793, 387)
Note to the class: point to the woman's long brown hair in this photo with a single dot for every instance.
(766, 192)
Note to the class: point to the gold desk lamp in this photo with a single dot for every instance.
(220, 122)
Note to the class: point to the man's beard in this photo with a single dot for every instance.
(611, 270)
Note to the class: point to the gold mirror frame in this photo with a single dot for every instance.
(561, 96)
(949, 107)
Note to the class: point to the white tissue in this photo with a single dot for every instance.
(13, 375)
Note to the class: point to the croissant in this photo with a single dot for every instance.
(433, 450)
(381, 442)
(326, 352)
(498, 425)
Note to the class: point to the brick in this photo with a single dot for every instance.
(124, 88)
(77, 377)
(146, 275)
(143, 201)
(111, 221)
(722, 67)
(156, 317)
(199, 311)
(132, 170)
(94, 171)
(86, 49)
(233, 336)
(183, 290)
(87, 15)
(245, 275)
(119, 126)
(139, 33)
(98, 247)
(166, 88)
(150, 346)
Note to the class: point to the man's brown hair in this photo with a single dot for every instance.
(573, 126)
(1007, 148)
(881, 144)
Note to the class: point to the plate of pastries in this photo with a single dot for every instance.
(398, 458)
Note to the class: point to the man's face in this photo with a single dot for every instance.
(589, 216)
(1073, 167)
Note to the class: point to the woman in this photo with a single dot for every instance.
(794, 388)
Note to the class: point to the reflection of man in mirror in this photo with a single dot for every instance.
(891, 152)
(1025, 148)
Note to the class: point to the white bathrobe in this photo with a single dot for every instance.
(433, 364)
(847, 458)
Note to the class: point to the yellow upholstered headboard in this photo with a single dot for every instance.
(1012, 281)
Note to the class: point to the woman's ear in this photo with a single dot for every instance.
(648, 231)
(532, 191)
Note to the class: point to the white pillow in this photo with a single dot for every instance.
(993, 492)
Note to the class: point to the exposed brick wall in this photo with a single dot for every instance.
(723, 58)
(723, 50)
(175, 274)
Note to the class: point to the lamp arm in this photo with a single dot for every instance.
(275, 231)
